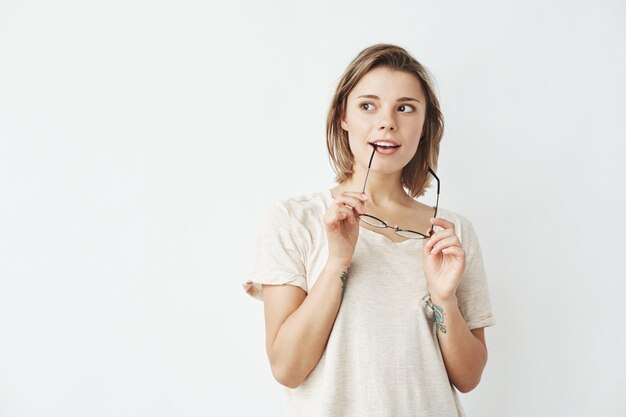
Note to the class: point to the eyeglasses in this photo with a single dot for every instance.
(376, 222)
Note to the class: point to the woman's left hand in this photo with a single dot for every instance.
(444, 260)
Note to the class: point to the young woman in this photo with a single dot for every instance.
(363, 317)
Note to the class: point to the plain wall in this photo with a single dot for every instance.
(142, 142)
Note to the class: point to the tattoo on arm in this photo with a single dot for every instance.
(439, 319)
(344, 280)
(438, 315)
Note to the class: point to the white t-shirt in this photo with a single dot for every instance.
(383, 357)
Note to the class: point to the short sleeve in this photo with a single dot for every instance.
(473, 291)
(278, 256)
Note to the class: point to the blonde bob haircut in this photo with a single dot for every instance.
(415, 175)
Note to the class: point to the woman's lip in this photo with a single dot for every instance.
(386, 151)
(385, 140)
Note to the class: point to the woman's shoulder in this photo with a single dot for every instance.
(462, 224)
(451, 215)
(307, 206)
(309, 197)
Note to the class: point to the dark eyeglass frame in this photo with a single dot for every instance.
(398, 230)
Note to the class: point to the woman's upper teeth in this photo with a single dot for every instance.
(386, 144)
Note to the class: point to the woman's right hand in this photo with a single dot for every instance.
(342, 226)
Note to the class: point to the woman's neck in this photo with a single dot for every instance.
(383, 190)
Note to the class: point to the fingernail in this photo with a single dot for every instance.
(364, 197)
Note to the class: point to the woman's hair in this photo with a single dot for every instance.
(415, 175)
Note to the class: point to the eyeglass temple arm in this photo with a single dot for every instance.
(429, 170)
(368, 168)
(437, 178)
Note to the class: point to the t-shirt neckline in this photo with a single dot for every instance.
(328, 195)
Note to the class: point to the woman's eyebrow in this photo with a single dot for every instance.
(400, 99)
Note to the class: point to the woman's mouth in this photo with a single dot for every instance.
(385, 148)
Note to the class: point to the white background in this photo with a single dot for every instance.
(142, 142)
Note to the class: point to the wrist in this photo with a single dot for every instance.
(336, 264)
(450, 300)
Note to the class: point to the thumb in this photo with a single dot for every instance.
(425, 248)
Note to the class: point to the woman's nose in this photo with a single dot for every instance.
(386, 122)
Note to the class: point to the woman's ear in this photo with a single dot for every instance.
(344, 123)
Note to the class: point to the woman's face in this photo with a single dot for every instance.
(385, 104)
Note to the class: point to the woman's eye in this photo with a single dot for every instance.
(405, 108)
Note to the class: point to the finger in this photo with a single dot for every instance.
(353, 196)
(352, 202)
(337, 217)
(351, 205)
(455, 251)
(347, 214)
(449, 242)
(361, 196)
(438, 221)
(438, 236)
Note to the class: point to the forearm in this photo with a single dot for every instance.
(301, 340)
(464, 355)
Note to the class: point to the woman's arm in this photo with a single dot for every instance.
(464, 351)
(298, 325)
(464, 354)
